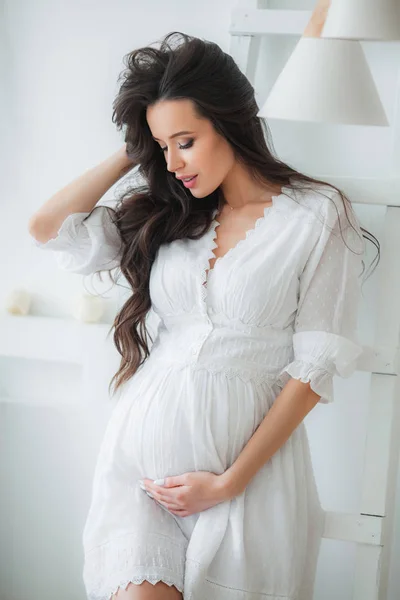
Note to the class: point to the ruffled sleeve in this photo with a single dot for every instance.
(325, 341)
(86, 242)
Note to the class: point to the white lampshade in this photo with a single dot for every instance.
(327, 81)
(363, 20)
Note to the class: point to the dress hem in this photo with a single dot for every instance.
(159, 575)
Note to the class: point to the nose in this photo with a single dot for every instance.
(174, 162)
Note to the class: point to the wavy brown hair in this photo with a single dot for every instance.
(161, 210)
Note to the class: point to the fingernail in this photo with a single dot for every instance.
(151, 495)
(141, 485)
(159, 482)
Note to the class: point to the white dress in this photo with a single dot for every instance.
(282, 303)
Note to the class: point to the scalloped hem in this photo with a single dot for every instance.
(139, 580)
(108, 591)
(131, 559)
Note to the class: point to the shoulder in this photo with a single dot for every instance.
(331, 214)
(323, 211)
(315, 200)
(320, 203)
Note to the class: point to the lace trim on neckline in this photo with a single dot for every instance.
(211, 243)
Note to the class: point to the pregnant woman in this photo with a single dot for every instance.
(204, 487)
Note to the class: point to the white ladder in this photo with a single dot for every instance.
(372, 528)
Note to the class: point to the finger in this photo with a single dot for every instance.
(165, 505)
(159, 495)
(180, 513)
(162, 493)
(168, 500)
(174, 481)
(156, 486)
(169, 506)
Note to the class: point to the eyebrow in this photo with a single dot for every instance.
(175, 135)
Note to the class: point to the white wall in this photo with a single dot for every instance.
(59, 63)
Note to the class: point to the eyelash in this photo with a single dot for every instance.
(185, 147)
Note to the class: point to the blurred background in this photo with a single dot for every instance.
(59, 64)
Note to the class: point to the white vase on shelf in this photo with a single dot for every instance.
(88, 308)
(18, 302)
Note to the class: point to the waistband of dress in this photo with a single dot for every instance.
(219, 321)
(247, 371)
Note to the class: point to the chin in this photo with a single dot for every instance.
(198, 193)
(202, 194)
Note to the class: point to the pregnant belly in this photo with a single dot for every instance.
(181, 420)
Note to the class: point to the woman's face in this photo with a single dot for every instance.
(201, 151)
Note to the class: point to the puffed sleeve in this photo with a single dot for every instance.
(325, 339)
(86, 244)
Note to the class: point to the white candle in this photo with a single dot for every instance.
(18, 302)
(88, 309)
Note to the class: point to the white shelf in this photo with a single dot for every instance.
(380, 191)
(18, 400)
(49, 338)
(255, 21)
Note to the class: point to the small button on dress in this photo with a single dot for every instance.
(282, 303)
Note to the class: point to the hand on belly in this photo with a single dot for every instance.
(187, 494)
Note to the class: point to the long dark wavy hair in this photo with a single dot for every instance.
(161, 209)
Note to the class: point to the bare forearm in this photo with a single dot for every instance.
(80, 195)
(288, 410)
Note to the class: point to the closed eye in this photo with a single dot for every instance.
(181, 147)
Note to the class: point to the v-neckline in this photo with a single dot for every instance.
(211, 243)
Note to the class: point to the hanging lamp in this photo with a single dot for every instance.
(368, 20)
(325, 80)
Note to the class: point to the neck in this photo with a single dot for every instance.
(239, 189)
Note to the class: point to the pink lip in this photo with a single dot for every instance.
(189, 184)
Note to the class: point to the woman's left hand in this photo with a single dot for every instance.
(190, 493)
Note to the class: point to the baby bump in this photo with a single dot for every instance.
(181, 420)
